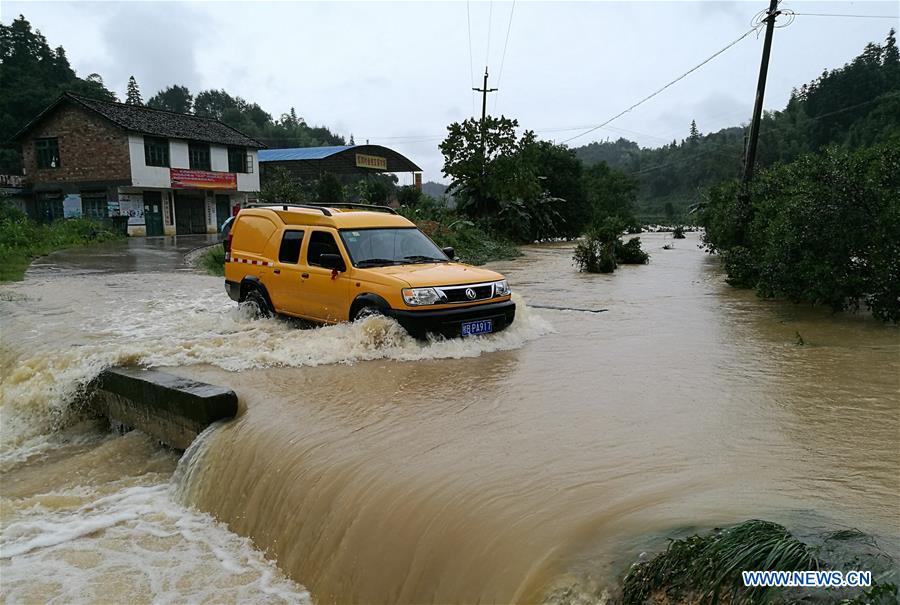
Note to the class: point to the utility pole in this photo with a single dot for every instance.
(484, 93)
(760, 93)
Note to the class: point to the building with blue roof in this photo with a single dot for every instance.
(310, 163)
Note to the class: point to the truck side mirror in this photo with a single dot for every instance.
(332, 261)
(449, 251)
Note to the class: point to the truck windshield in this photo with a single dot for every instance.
(391, 246)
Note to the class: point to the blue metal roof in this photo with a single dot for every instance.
(301, 153)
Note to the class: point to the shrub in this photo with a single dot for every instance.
(824, 229)
(213, 260)
(22, 239)
(601, 250)
(630, 253)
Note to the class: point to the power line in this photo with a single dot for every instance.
(503, 57)
(487, 54)
(845, 15)
(471, 61)
(678, 79)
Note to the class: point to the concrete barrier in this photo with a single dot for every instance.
(171, 408)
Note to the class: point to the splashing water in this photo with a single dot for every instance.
(60, 334)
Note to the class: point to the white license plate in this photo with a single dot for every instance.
(482, 326)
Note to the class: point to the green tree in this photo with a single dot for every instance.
(610, 194)
(133, 94)
(174, 98)
(329, 190)
(694, 136)
(489, 164)
(32, 75)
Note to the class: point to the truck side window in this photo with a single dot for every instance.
(320, 242)
(290, 247)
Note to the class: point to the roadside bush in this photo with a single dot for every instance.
(824, 229)
(22, 239)
(213, 260)
(474, 241)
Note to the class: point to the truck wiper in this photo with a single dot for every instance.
(420, 258)
(375, 262)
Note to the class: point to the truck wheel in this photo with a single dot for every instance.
(367, 311)
(258, 304)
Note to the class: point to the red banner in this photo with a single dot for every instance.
(183, 178)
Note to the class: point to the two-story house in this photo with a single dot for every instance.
(170, 173)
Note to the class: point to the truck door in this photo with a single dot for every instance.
(327, 291)
(286, 290)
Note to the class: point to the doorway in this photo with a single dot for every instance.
(190, 213)
(223, 210)
(153, 216)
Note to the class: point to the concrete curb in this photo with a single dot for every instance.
(171, 408)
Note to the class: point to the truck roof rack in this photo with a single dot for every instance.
(370, 207)
(285, 206)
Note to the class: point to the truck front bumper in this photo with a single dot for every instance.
(448, 322)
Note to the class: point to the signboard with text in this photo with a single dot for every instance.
(371, 161)
(183, 178)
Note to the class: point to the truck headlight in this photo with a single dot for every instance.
(501, 288)
(416, 297)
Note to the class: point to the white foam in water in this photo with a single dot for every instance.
(187, 321)
(133, 545)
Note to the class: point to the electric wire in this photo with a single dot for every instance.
(676, 80)
(503, 56)
(846, 15)
(487, 54)
(471, 60)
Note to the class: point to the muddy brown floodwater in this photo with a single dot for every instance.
(532, 465)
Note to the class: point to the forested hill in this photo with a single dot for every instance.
(33, 74)
(856, 105)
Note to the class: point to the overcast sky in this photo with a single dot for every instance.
(396, 73)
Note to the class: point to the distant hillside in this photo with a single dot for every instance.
(857, 105)
(433, 189)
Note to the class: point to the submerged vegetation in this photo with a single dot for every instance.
(707, 569)
(22, 239)
(824, 229)
(602, 250)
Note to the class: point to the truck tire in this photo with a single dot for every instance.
(258, 304)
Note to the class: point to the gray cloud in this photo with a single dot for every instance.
(401, 70)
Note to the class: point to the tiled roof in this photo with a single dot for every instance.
(158, 122)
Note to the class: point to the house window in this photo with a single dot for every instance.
(237, 159)
(93, 204)
(47, 152)
(198, 155)
(156, 151)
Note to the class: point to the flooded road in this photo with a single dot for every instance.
(531, 465)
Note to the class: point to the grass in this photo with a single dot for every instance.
(22, 240)
(707, 569)
(213, 260)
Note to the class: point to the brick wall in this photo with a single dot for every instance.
(90, 149)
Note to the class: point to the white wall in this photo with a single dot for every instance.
(249, 181)
(141, 174)
(157, 176)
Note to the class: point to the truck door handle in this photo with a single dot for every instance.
(277, 271)
(304, 275)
